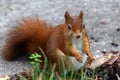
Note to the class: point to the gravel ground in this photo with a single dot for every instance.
(102, 19)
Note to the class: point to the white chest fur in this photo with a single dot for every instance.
(77, 43)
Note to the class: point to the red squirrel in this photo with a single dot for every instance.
(33, 33)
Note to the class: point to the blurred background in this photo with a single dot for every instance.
(101, 17)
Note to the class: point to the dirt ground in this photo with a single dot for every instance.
(101, 17)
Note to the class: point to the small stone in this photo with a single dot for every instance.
(118, 29)
(105, 21)
(94, 45)
(1, 65)
(96, 40)
(97, 51)
(12, 8)
(93, 38)
(114, 44)
(100, 78)
(104, 52)
(13, 70)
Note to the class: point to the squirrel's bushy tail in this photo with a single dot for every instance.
(26, 37)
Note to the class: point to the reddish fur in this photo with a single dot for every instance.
(33, 33)
(26, 37)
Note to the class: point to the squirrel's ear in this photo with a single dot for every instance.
(67, 17)
(81, 15)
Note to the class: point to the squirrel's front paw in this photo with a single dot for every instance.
(78, 57)
(92, 57)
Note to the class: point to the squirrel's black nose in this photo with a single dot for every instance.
(78, 36)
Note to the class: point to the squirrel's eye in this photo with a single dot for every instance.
(69, 26)
(83, 25)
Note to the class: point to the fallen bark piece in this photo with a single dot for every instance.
(108, 66)
(113, 59)
(25, 74)
(101, 60)
(4, 77)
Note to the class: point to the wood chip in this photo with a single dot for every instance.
(101, 60)
(4, 78)
(113, 59)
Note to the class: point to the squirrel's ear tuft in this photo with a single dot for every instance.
(67, 17)
(81, 15)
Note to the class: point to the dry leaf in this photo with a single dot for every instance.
(101, 60)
